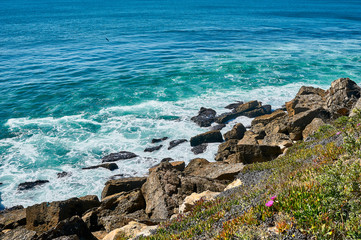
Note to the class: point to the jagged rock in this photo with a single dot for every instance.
(250, 138)
(312, 127)
(255, 153)
(152, 149)
(218, 127)
(299, 121)
(342, 96)
(122, 185)
(249, 109)
(190, 201)
(278, 139)
(30, 185)
(10, 219)
(237, 132)
(175, 143)
(265, 119)
(205, 117)
(157, 140)
(225, 149)
(19, 233)
(69, 227)
(199, 149)
(63, 174)
(215, 170)
(207, 137)
(42, 217)
(122, 155)
(234, 105)
(235, 183)
(307, 98)
(179, 165)
(110, 166)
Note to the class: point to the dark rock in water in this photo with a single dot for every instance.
(267, 108)
(110, 166)
(157, 140)
(63, 174)
(249, 109)
(152, 149)
(225, 117)
(30, 185)
(255, 112)
(237, 132)
(234, 105)
(175, 143)
(178, 165)
(45, 216)
(205, 117)
(218, 127)
(199, 149)
(122, 185)
(122, 155)
(168, 159)
(207, 137)
(1, 183)
(73, 228)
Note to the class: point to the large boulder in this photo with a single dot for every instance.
(10, 219)
(265, 119)
(205, 117)
(247, 154)
(122, 185)
(122, 155)
(207, 137)
(342, 96)
(306, 99)
(237, 132)
(251, 137)
(42, 217)
(225, 149)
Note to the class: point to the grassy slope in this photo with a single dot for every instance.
(317, 188)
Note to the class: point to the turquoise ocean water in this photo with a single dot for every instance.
(80, 79)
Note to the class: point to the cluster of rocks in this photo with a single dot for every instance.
(135, 206)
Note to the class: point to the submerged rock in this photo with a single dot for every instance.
(30, 185)
(205, 117)
(63, 174)
(175, 143)
(157, 140)
(122, 155)
(234, 105)
(152, 149)
(199, 149)
(110, 166)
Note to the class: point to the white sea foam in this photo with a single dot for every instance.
(45, 146)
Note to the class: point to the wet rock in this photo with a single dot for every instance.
(248, 106)
(45, 216)
(237, 132)
(247, 154)
(63, 174)
(122, 155)
(190, 201)
(175, 143)
(110, 166)
(199, 149)
(69, 227)
(255, 112)
(178, 165)
(157, 140)
(122, 185)
(19, 233)
(30, 185)
(207, 137)
(312, 127)
(234, 105)
(205, 117)
(265, 119)
(168, 159)
(226, 117)
(152, 149)
(249, 109)
(12, 218)
(218, 127)
(342, 96)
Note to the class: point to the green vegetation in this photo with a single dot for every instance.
(317, 189)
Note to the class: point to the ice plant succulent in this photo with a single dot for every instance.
(269, 203)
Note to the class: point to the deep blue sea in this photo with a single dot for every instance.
(83, 78)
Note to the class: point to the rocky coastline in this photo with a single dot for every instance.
(135, 206)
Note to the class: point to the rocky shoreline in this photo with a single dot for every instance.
(135, 206)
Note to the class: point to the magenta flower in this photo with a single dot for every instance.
(273, 198)
(338, 133)
(358, 124)
(269, 203)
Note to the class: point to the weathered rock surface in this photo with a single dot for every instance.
(234, 105)
(178, 165)
(122, 185)
(225, 149)
(122, 155)
(251, 137)
(205, 117)
(175, 143)
(265, 119)
(278, 139)
(30, 185)
(42, 217)
(110, 166)
(191, 200)
(19, 233)
(312, 127)
(356, 107)
(255, 153)
(237, 132)
(152, 149)
(131, 230)
(199, 149)
(207, 137)
(10, 219)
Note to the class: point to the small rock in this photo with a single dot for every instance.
(207, 137)
(63, 174)
(205, 117)
(218, 127)
(175, 143)
(199, 149)
(191, 200)
(110, 166)
(30, 185)
(152, 149)
(157, 140)
(122, 155)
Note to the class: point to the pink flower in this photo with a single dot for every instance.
(273, 198)
(338, 133)
(269, 203)
(358, 124)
